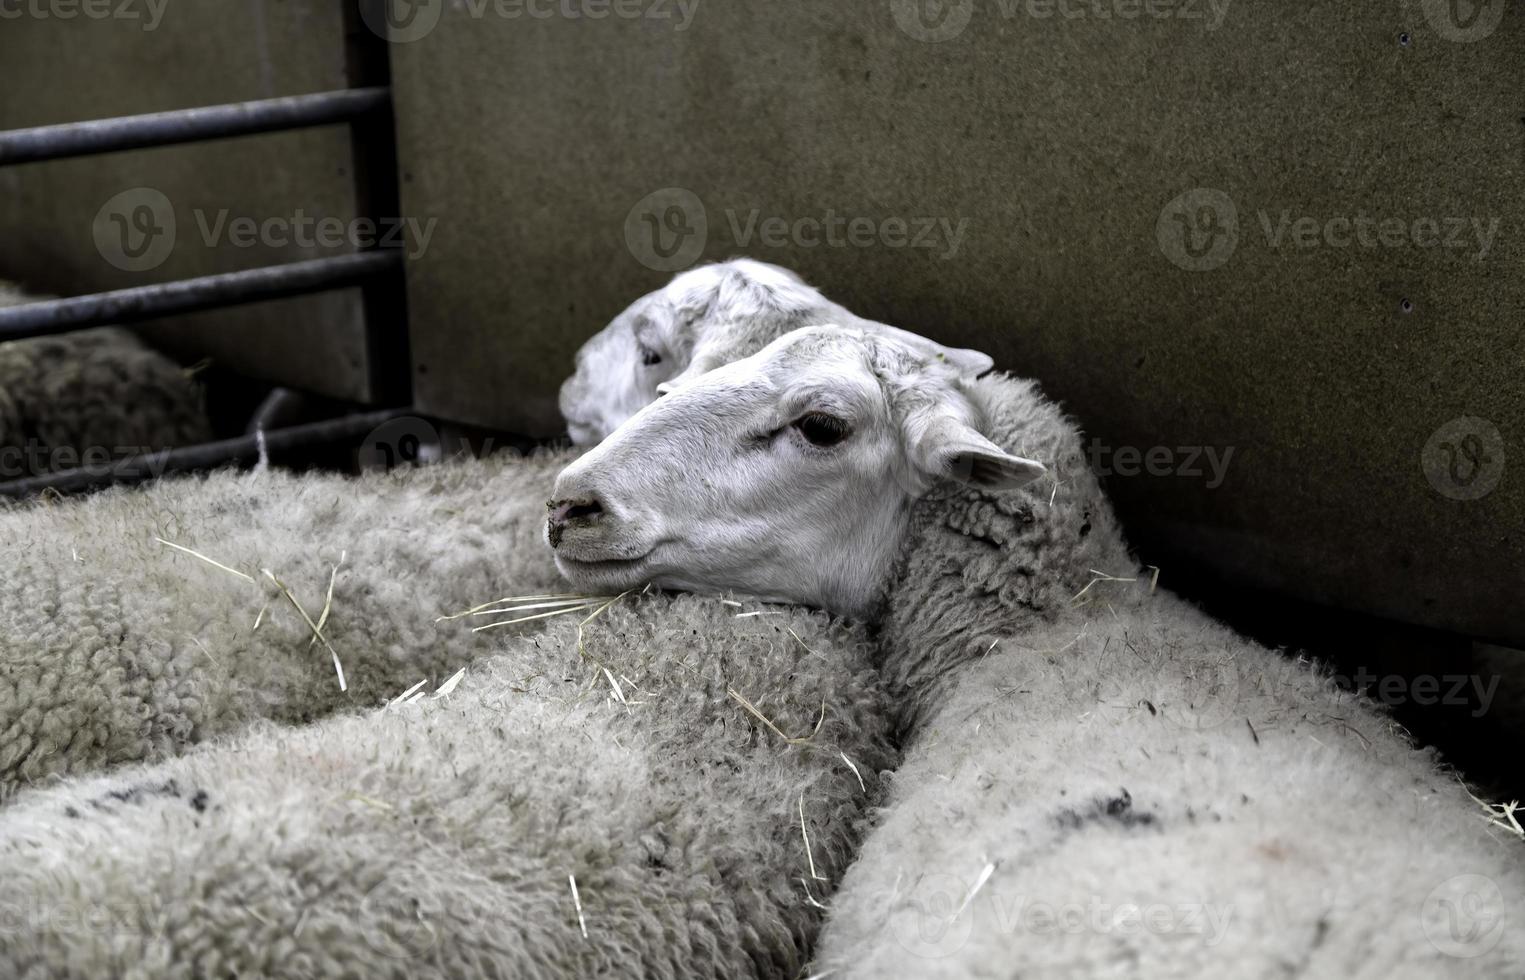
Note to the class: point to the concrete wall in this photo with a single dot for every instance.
(1160, 208)
(141, 56)
(1284, 235)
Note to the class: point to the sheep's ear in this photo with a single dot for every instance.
(967, 363)
(971, 363)
(950, 449)
(693, 293)
(701, 364)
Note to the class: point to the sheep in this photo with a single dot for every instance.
(1141, 791)
(704, 318)
(209, 661)
(123, 643)
(793, 453)
(1074, 737)
(89, 397)
(668, 790)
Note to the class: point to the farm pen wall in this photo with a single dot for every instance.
(1204, 226)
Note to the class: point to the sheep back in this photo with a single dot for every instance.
(1140, 791)
(442, 838)
(118, 648)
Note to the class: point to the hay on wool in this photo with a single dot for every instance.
(453, 820)
(180, 658)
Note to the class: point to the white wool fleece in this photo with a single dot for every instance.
(1101, 781)
(445, 838)
(117, 648)
(1137, 791)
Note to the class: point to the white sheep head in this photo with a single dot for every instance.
(703, 318)
(788, 475)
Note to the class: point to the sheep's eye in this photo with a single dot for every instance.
(822, 429)
(649, 357)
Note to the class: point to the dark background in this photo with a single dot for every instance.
(1145, 192)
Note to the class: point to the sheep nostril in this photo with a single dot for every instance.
(563, 511)
(590, 509)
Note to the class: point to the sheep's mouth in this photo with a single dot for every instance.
(613, 564)
(619, 572)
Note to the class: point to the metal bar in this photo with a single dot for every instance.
(188, 125)
(189, 295)
(373, 143)
(205, 456)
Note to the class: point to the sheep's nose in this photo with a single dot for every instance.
(564, 513)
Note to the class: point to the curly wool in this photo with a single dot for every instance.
(1099, 780)
(118, 648)
(100, 391)
(978, 566)
(443, 838)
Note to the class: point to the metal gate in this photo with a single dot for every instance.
(366, 109)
